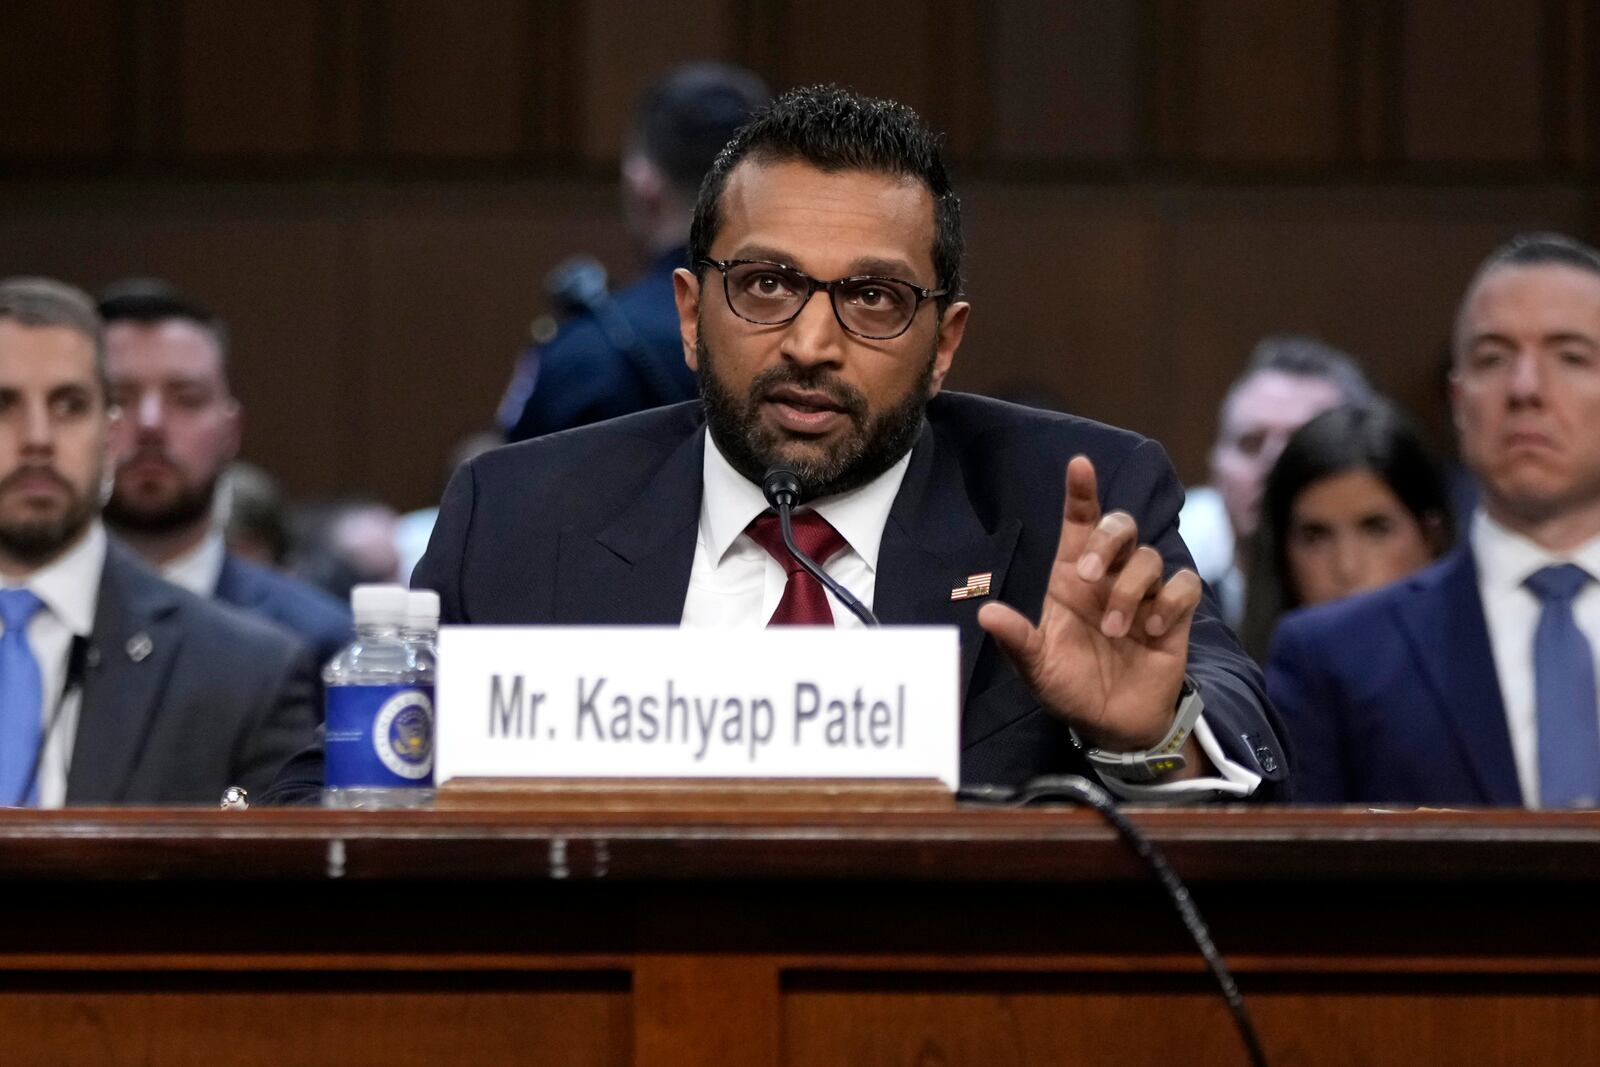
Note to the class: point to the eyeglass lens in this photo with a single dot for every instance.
(768, 294)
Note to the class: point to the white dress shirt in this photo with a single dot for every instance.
(198, 569)
(1208, 534)
(736, 583)
(1505, 560)
(70, 589)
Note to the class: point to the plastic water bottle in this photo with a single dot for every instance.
(379, 741)
(421, 629)
(420, 632)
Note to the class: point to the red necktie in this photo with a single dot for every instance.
(805, 602)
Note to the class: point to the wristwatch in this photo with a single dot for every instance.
(1162, 758)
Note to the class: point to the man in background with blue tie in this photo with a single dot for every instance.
(115, 686)
(1473, 682)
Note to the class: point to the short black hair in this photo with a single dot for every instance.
(834, 129)
(1372, 436)
(147, 301)
(684, 119)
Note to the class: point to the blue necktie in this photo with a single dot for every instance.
(21, 698)
(1564, 695)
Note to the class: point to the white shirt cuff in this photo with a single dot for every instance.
(1231, 780)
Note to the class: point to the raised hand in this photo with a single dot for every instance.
(1112, 642)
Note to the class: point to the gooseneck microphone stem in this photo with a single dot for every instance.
(783, 491)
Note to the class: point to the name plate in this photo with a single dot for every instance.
(665, 702)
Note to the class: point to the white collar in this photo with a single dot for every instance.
(69, 585)
(1505, 559)
(198, 569)
(730, 501)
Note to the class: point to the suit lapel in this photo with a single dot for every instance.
(1450, 638)
(132, 649)
(932, 543)
(236, 587)
(636, 570)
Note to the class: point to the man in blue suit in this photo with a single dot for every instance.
(180, 428)
(1472, 682)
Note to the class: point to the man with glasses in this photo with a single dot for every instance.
(821, 315)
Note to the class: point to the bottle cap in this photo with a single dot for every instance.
(378, 605)
(422, 610)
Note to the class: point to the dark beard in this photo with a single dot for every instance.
(876, 444)
(191, 505)
(34, 542)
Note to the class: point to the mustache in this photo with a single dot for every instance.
(10, 481)
(846, 397)
(147, 452)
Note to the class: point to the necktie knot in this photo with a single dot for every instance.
(1559, 582)
(804, 602)
(17, 606)
(812, 535)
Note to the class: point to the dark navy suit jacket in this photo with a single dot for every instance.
(1391, 697)
(319, 620)
(598, 525)
(183, 697)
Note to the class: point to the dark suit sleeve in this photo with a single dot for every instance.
(1299, 690)
(1236, 706)
(440, 566)
(299, 782)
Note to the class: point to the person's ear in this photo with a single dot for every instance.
(952, 327)
(686, 294)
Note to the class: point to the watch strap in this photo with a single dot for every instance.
(1162, 758)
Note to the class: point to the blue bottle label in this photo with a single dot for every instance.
(379, 735)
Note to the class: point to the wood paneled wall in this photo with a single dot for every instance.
(371, 190)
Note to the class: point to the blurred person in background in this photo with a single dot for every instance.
(255, 521)
(1289, 380)
(1473, 681)
(342, 543)
(166, 355)
(1354, 502)
(619, 353)
(115, 686)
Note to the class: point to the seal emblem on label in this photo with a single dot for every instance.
(402, 734)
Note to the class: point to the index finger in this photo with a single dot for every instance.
(1081, 512)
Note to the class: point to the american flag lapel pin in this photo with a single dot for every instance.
(977, 585)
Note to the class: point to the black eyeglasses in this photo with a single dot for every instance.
(771, 294)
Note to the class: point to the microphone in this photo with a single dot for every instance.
(784, 491)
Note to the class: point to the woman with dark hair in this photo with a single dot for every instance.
(1354, 502)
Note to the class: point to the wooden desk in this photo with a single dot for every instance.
(966, 937)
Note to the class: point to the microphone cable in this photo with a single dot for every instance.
(1078, 788)
(783, 491)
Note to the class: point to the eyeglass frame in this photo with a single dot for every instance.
(813, 287)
